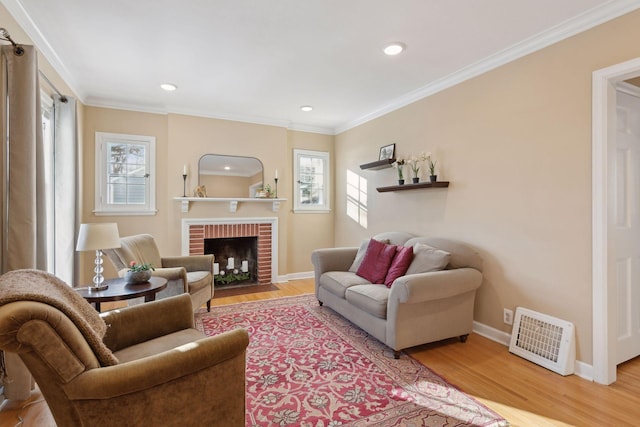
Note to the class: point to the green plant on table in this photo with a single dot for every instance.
(135, 267)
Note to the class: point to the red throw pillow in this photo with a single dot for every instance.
(399, 265)
(376, 261)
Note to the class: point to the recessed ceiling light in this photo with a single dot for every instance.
(169, 87)
(393, 48)
(306, 108)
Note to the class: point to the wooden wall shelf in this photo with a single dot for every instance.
(411, 186)
(378, 164)
(233, 201)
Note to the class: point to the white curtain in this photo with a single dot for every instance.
(65, 175)
(23, 206)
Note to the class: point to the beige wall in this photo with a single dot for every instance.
(309, 231)
(182, 140)
(133, 123)
(515, 143)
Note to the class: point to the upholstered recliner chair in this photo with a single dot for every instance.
(191, 274)
(144, 365)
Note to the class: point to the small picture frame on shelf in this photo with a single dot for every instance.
(387, 152)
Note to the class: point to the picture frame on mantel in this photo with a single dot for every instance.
(387, 152)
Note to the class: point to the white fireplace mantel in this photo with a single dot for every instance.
(233, 201)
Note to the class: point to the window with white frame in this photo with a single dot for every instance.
(125, 174)
(311, 181)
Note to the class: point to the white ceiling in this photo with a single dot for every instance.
(259, 61)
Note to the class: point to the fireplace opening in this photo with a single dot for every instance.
(235, 260)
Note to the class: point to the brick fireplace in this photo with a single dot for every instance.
(195, 231)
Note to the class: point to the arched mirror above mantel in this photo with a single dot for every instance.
(230, 176)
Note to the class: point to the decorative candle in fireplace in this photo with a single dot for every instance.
(230, 263)
(245, 266)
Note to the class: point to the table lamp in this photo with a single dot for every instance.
(98, 236)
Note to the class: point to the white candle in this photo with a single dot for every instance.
(276, 173)
(184, 170)
(230, 264)
(216, 268)
(245, 266)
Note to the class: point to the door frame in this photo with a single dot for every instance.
(603, 248)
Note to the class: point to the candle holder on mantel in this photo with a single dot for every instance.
(184, 185)
(276, 188)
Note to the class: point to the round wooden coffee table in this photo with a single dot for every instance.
(119, 290)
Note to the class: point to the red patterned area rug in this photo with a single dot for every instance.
(308, 366)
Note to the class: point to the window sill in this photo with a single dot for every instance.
(125, 213)
(311, 211)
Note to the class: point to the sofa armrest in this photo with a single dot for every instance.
(149, 372)
(190, 263)
(415, 288)
(332, 259)
(139, 323)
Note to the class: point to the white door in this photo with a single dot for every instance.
(627, 223)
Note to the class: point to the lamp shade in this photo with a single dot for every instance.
(97, 236)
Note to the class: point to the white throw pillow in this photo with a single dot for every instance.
(359, 256)
(427, 258)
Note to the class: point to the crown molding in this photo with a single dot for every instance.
(98, 103)
(17, 11)
(566, 29)
(573, 26)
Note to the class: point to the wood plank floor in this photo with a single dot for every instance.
(522, 392)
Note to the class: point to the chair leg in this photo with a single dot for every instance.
(209, 306)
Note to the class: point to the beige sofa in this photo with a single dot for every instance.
(417, 308)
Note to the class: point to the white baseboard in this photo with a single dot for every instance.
(491, 333)
(295, 276)
(584, 370)
(581, 369)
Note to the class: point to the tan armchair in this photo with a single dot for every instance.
(190, 274)
(144, 365)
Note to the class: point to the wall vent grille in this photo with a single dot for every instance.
(545, 340)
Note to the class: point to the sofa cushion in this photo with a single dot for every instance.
(370, 298)
(359, 256)
(427, 258)
(399, 265)
(158, 345)
(198, 280)
(337, 282)
(394, 237)
(376, 261)
(462, 255)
